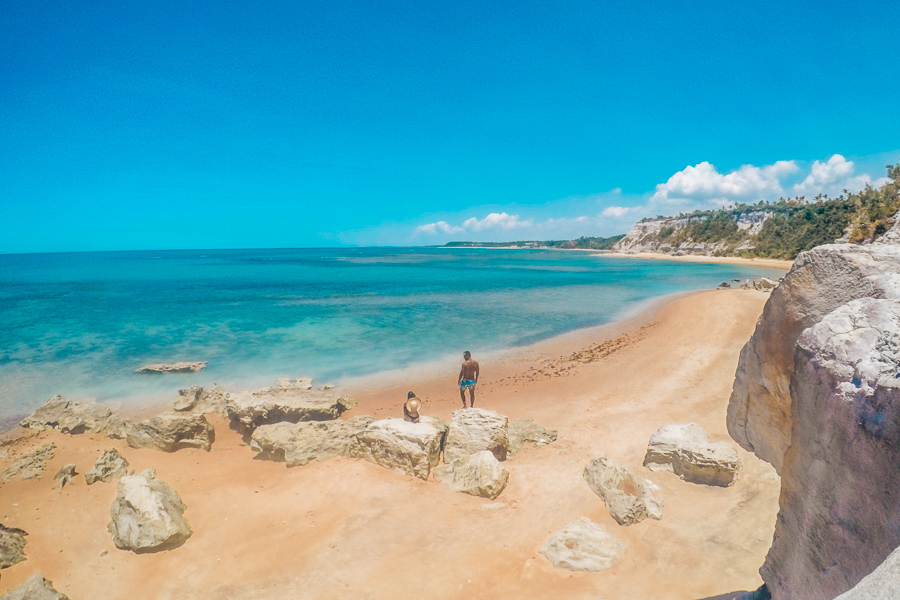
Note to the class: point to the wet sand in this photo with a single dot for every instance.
(774, 263)
(345, 528)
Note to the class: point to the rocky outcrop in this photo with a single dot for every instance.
(249, 410)
(188, 398)
(111, 465)
(685, 449)
(582, 545)
(881, 584)
(65, 475)
(176, 367)
(667, 235)
(298, 443)
(170, 432)
(628, 499)
(69, 416)
(147, 515)
(473, 430)
(821, 280)
(31, 465)
(526, 431)
(409, 448)
(839, 518)
(480, 474)
(12, 546)
(34, 588)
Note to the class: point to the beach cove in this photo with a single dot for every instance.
(348, 528)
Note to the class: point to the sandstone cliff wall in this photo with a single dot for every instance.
(659, 235)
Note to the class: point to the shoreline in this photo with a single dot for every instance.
(337, 528)
(773, 263)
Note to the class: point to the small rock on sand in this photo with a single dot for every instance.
(582, 545)
(628, 499)
(34, 588)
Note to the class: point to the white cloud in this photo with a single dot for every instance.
(832, 177)
(616, 212)
(493, 221)
(703, 183)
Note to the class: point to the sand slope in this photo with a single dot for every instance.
(349, 529)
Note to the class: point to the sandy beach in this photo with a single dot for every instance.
(774, 263)
(346, 528)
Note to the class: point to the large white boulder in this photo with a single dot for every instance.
(628, 499)
(480, 474)
(881, 584)
(582, 545)
(298, 443)
(147, 515)
(821, 280)
(685, 449)
(839, 511)
(473, 430)
(409, 448)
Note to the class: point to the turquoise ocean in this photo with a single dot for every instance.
(79, 324)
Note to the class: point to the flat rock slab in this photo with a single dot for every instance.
(31, 465)
(526, 431)
(628, 499)
(169, 432)
(298, 443)
(12, 546)
(111, 465)
(685, 449)
(69, 416)
(473, 430)
(582, 545)
(481, 474)
(274, 405)
(176, 367)
(34, 588)
(147, 515)
(409, 448)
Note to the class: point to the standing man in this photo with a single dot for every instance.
(468, 377)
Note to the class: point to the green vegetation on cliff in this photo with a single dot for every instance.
(793, 225)
(582, 243)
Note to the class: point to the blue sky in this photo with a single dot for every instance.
(270, 124)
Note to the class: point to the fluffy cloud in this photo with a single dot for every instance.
(494, 221)
(616, 212)
(831, 177)
(703, 182)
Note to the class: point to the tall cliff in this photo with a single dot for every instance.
(817, 394)
(677, 236)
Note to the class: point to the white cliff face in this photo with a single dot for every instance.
(821, 280)
(839, 513)
(657, 235)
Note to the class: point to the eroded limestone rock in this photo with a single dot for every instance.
(34, 588)
(840, 491)
(171, 431)
(31, 465)
(299, 443)
(628, 499)
(685, 449)
(821, 280)
(12, 546)
(188, 398)
(111, 465)
(66, 475)
(479, 474)
(526, 431)
(881, 584)
(147, 515)
(409, 448)
(582, 545)
(69, 416)
(473, 430)
(176, 367)
(292, 404)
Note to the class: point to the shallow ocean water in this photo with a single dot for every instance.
(79, 324)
